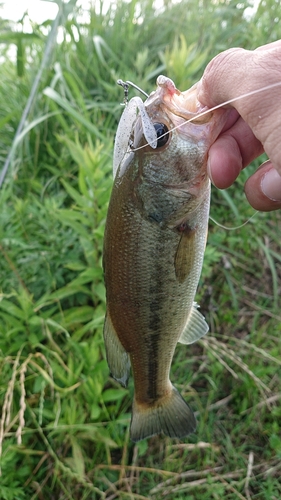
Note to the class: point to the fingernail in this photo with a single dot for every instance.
(271, 185)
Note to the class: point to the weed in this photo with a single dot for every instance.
(64, 421)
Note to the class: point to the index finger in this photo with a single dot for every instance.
(243, 76)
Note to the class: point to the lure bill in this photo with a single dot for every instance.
(154, 246)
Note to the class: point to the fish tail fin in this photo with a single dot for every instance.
(170, 415)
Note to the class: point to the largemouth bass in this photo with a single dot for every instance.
(154, 245)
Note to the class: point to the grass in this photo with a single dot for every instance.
(64, 422)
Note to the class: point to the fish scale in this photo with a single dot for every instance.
(154, 245)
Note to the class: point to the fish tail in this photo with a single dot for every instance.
(170, 415)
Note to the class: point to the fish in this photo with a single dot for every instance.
(154, 243)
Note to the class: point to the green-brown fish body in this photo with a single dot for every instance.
(153, 252)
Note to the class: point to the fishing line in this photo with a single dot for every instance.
(233, 228)
(203, 113)
(209, 110)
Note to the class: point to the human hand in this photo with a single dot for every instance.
(253, 125)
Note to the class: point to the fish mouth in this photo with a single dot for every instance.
(182, 104)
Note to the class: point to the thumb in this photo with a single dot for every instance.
(263, 188)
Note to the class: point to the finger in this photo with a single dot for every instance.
(263, 188)
(236, 72)
(271, 45)
(224, 162)
(232, 117)
(213, 87)
(225, 78)
(231, 152)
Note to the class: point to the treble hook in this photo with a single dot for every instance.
(126, 86)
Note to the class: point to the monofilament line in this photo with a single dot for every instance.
(209, 110)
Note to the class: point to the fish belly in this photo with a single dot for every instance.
(151, 275)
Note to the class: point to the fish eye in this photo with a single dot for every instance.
(160, 130)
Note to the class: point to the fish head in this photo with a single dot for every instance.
(170, 137)
(183, 110)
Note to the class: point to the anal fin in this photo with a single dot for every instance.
(195, 328)
(117, 358)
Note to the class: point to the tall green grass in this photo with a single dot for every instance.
(64, 421)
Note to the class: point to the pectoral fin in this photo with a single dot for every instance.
(195, 328)
(185, 255)
(117, 358)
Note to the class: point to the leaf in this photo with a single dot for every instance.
(95, 412)
(66, 291)
(78, 458)
(77, 315)
(12, 309)
(32, 125)
(75, 195)
(102, 435)
(111, 395)
(52, 94)
(75, 266)
(99, 290)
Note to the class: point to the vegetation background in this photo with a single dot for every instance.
(64, 421)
